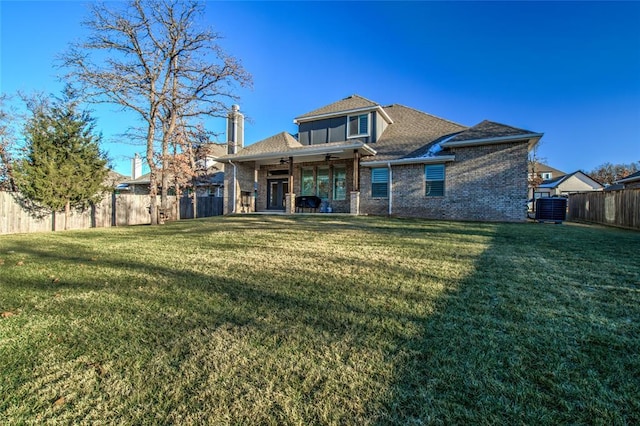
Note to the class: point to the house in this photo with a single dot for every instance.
(538, 173)
(209, 179)
(544, 171)
(568, 184)
(360, 157)
(631, 181)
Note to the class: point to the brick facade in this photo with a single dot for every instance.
(338, 206)
(484, 183)
(245, 178)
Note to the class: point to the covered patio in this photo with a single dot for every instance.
(269, 175)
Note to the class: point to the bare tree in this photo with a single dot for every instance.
(534, 178)
(151, 57)
(7, 143)
(608, 173)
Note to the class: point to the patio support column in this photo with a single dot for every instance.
(290, 197)
(356, 170)
(354, 208)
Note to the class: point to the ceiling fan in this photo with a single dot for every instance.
(329, 157)
(284, 161)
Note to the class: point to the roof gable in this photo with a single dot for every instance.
(577, 176)
(350, 103)
(489, 130)
(544, 168)
(413, 133)
(214, 150)
(277, 143)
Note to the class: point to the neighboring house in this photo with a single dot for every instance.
(540, 172)
(113, 179)
(631, 181)
(544, 171)
(209, 182)
(362, 158)
(568, 184)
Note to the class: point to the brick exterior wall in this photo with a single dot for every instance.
(338, 206)
(245, 174)
(484, 183)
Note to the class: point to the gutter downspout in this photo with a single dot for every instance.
(390, 188)
(235, 168)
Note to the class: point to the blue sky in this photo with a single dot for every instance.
(568, 69)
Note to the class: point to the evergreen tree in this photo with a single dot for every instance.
(63, 167)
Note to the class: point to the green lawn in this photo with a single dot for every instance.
(321, 320)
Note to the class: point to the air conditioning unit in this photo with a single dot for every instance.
(552, 209)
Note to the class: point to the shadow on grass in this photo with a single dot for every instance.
(503, 345)
(529, 337)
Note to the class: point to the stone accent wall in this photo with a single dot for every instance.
(485, 183)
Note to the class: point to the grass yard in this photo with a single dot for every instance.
(321, 320)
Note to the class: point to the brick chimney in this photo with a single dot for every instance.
(136, 167)
(235, 130)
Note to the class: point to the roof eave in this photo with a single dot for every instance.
(378, 108)
(299, 153)
(627, 180)
(417, 160)
(533, 139)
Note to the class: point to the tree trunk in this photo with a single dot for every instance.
(153, 180)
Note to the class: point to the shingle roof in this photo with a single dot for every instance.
(412, 133)
(284, 144)
(555, 182)
(544, 168)
(215, 149)
(488, 130)
(347, 104)
(281, 142)
(114, 178)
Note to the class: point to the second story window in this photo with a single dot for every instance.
(358, 125)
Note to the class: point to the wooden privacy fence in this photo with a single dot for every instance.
(616, 208)
(206, 207)
(114, 210)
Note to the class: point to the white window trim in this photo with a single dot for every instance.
(359, 135)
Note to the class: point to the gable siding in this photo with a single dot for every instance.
(485, 183)
(576, 183)
(335, 130)
(323, 131)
